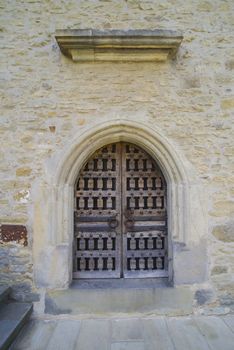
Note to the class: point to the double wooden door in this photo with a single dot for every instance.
(120, 216)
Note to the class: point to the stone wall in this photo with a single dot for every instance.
(48, 100)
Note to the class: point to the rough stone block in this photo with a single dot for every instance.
(224, 233)
(203, 296)
(195, 268)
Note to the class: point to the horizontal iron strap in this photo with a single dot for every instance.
(145, 193)
(146, 253)
(93, 218)
(147, 228)
(91, 224)
(92, 174)
(95, 234)
(146, 234)
(143, 173)
(107, 218)
(95, 228)
(149, 218)
(152, 223)
(96, 254)
(149, 212)
(105, 212)
(145, 273)
(95, 193)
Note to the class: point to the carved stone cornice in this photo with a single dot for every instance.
(88, 45)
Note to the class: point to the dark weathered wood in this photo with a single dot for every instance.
(145, 226)
(97, 216)
(94, 219)
(120, 215)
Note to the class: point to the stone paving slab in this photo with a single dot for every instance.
(217, 334)
(141, 333)
(229, 320)
(94, 334)
(156, 334)
(64, 335)
(184, 334)
(126, 329)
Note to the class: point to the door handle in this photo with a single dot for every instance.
(128, 213)
(129, 223)
(113, 222)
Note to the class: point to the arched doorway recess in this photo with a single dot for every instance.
(120, 215)
(53, 197)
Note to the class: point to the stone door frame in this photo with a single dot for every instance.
(53, 203)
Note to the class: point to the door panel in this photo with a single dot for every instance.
(120, 216)
(144, 225)
(97, 242)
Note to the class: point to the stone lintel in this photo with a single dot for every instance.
(88, 45)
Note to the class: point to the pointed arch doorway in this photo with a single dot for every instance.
(120, 215)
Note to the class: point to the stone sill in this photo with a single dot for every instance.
(88, 45)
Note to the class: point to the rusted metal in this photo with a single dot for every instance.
(13, 233)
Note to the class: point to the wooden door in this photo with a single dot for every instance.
(120, 216)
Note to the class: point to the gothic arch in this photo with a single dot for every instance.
(62, 171)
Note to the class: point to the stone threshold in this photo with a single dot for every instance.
(94, 300)
(119, 283)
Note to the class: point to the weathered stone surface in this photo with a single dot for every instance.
(217, 270)
(180, 333)
(109, 301)
(227, 103)
(223, 208)
(195, 269)
(16, 271)
(48, 101)
(224, 233)
(227, 295)
(203, 296)
(23, 171)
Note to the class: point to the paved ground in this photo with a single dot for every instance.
(154, 333)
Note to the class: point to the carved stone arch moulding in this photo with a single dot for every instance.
(54, 203)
